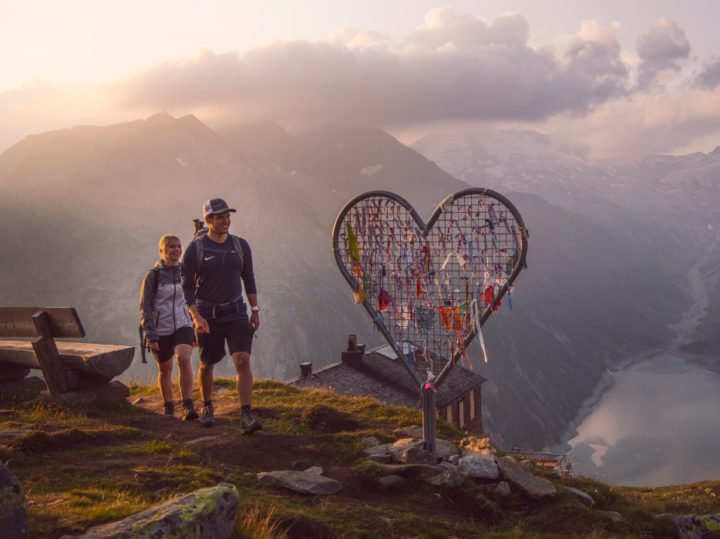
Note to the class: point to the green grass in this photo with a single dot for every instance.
(83, 468)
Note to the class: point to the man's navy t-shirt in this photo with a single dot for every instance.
(220, 279)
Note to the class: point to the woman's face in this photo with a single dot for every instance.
(172, 252)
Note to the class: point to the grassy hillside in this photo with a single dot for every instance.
(83, 468)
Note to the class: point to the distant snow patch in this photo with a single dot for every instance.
(372, 170)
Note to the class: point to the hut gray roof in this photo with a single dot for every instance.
(381, 375)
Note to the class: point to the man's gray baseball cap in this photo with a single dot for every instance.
(215, 206)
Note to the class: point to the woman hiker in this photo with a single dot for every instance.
(168, 326)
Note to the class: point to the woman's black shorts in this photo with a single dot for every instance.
(167, 343)
(237, 333)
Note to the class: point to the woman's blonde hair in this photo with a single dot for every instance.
(167, 238)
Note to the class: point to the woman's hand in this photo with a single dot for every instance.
(255, 320)
(154, 346)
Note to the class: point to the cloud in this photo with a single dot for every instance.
(451, 67)
(709, 77)
(443, 26)
(662, 48)
(649, 123)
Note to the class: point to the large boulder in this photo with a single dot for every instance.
(532, 485)
(208, 513)
(13, 517)
(694, 526)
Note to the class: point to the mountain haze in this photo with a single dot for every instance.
(84, 207)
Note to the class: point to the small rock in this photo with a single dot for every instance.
(612, 515)
(369, 441)
(448, 476)
(474, 444)
(392, 481)
(453, 459)
(137, 401)
(303, 482)
(13, 516)
(444, 449)
(527, 465)
(476, 466)
(410, 451)
(316, 470)
(381, 449)
(581, 496)
(536, 487)
(503, 489)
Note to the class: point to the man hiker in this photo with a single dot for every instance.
(215, 267)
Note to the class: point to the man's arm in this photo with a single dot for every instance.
(248, 277)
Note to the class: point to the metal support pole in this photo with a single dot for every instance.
(428, 417)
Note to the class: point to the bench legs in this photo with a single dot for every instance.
(48, 355)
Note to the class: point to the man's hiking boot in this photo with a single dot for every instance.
(207, 418)
(249, 424)
(189, 412)
(169, 408)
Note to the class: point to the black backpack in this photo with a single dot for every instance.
(144, 342)
(200, 250)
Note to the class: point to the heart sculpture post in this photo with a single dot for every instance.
(430, 287)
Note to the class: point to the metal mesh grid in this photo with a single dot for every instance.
(430, 291)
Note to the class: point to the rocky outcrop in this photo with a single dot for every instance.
(13, 517)
(208, 513)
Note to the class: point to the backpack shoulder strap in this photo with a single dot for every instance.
(237, 245)
(156, 279)
(198, 253)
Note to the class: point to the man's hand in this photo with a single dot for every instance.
(154, 346)
(255, 320)
(201, 325)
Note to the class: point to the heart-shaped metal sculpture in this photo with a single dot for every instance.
(429, 287)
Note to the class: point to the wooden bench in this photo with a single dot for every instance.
(67, 366)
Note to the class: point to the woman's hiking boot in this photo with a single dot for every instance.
(207, 418)
(169, 408)
(189, 412)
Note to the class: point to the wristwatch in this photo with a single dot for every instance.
(255, 308)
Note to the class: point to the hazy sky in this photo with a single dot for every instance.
(619, 77)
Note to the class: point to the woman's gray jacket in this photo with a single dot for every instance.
(162, 305)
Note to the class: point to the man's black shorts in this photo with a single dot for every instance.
(237, 333)
(167, 343)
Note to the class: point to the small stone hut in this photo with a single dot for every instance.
(378, 373)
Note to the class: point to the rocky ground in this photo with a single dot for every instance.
(323, 466)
